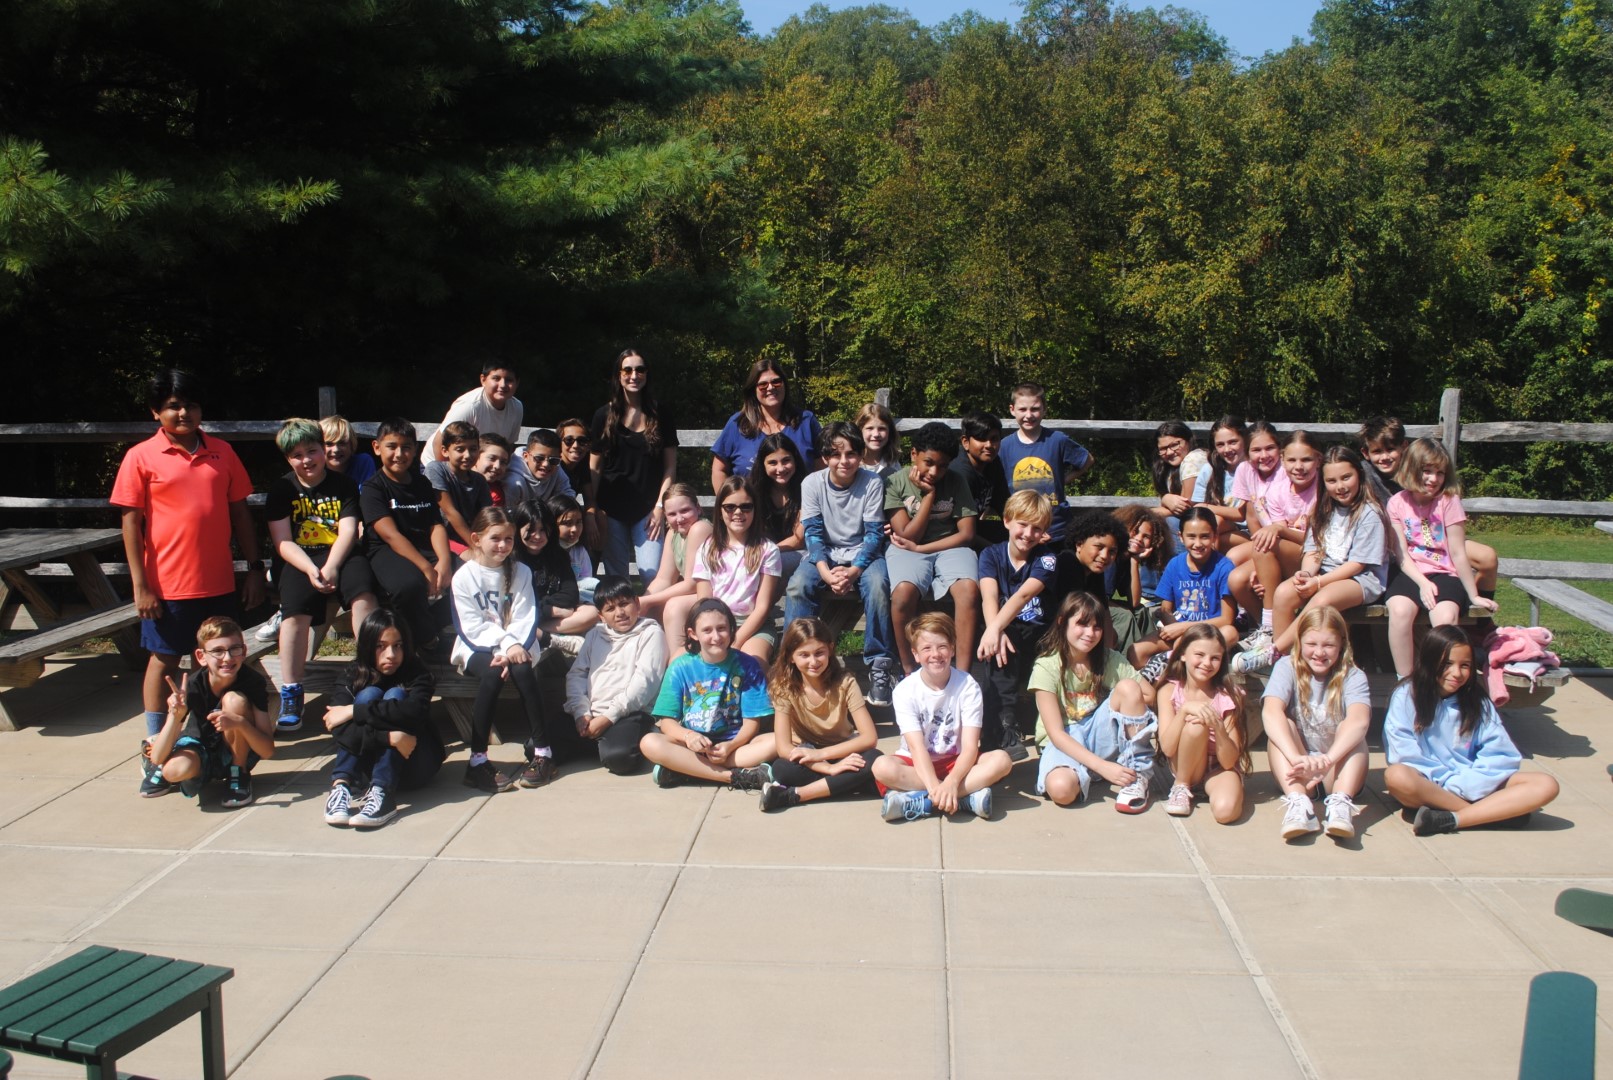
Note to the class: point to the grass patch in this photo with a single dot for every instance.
(1578, 644)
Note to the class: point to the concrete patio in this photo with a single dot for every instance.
(602, 927)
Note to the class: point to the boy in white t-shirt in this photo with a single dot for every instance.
(492, 406)
(939, 711)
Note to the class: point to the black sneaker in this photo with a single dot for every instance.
(338, 805)
(665, 777)
(750, 779)
(880, 683)
(485, 777)
(1155, 668)
(1429, 821)
(238, 788)
(152, 783)
(538, 771)
(1014, 743)
(775, 797)
(378, 809)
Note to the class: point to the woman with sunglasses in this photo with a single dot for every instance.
(633, 458)
(765, 410)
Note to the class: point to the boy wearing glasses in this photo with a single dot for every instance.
(543, 478)
(218, 724)
(843, 516)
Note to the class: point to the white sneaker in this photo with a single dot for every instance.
(1133, 798)
(1299, 818)
(1253, 660)
(565, 644)
(1180, 802)
(1258, 639)
(1341, 811)
(269, 630)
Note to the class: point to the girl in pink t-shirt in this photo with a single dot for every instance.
(1201, 726)
(1278, 520)
(1427, 522)
(741, 567)
(1261, 467)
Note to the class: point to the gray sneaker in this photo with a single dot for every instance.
(880, 683)
(980, 803)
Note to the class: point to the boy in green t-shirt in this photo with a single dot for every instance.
(932, 517)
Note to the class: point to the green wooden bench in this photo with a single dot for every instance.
(1559, 1029)
(99, 1004)
(1587, 907)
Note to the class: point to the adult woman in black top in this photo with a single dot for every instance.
(634, 458)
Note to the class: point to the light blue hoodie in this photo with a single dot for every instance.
(1471, 767)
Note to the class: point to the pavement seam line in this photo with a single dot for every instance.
(1268, 993)
(586, 1067)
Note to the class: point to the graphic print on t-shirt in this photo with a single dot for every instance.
(316, 519)
(712, 704)
(941, 727)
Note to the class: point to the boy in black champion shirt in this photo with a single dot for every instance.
(404, 538)
(218, 725)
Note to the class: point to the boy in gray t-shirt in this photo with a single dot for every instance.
(843, 516)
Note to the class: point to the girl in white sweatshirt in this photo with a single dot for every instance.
(497, 637)
(615, 677)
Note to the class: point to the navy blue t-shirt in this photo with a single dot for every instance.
(1043, 565)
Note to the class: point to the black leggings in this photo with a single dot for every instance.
(794, 775)
(487, 691)
(618, 747)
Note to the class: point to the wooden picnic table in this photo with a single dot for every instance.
(22, 658)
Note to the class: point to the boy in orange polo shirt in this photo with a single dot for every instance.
(183, 495)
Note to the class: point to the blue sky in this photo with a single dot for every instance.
(1251, 27)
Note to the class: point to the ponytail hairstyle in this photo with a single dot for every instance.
(718, 544)
(890, 453)
(784, 681)
(1328, 620)
(710, 603)
(363, 671)
(1432, 656)
(1167, 477)
(1366, 497)
(491, 517)
(1218, 468)
(616, 406)
(1261, 427)
(1084, 609)
(1220, 683)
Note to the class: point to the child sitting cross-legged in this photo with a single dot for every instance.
(217, 726)
(616, 676)
(1201, 726)
(1094, 712)
(380, 720)
(712, 701)
(939, 712)
(821, 724)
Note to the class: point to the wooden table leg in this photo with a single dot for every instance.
(39, 606)
(213, 1035)
(93, 583)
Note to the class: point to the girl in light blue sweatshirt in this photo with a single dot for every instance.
(1449, 755)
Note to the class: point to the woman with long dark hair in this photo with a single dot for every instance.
(633, 458)
(765, 409)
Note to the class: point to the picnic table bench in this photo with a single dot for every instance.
(100, 1003)
(22, 658)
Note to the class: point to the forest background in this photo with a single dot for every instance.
(380, 194)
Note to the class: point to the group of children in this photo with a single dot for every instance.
(1126, 647)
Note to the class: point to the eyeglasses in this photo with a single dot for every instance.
(235, 651)
(545, 459)
(632, 371)
(770, 384)
(574, 440)
(738, 508)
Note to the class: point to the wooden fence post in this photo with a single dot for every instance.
(1450, 420)
(882, 396)
(327, 402)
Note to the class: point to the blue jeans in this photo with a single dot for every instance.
(1104, 733)
(624, 540)
(388, 769)
(803, 598)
